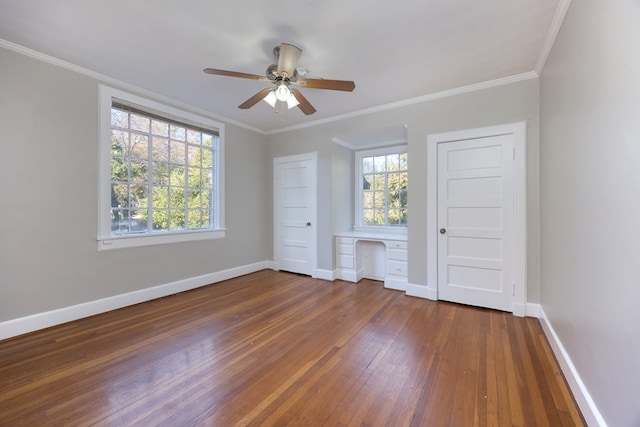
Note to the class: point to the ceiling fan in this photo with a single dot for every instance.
(282, 75)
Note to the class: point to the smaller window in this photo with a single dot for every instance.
(381, 188)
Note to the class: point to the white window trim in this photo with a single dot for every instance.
(105, 240)
(357, 224)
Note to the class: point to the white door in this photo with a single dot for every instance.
(475, 221)
(294, 185)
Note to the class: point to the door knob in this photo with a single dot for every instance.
(443, 230)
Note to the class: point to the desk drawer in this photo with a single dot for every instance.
(397, 268)
(395, 244)
(344, 249)
(344, 240)
(344, 261)
(397, 254)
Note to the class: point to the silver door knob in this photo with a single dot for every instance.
(443, 230)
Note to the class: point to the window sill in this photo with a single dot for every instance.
(161, 238)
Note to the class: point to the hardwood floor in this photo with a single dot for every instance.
(278, 349)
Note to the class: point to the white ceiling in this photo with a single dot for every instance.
(393, 50)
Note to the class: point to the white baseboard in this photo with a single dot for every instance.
(420, 291)
(326, 274)
(586, 404)
(23, 325)
(532, 310)
(396, 284)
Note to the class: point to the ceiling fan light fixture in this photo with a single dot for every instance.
(282, 92)
(271, 99)
(292, 101)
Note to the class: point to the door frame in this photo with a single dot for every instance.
(519, 131)
(313, 243)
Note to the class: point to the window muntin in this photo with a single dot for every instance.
(161, 177)
(382, 185)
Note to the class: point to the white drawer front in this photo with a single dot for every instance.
(344, 240)
(344, 249)
(395, 244)
(397, 254)
(397, 268)
(344, 261)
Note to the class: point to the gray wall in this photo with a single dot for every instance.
(504, 104)
(48, 200)
(590, 198)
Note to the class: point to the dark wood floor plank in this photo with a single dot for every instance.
(276, 349)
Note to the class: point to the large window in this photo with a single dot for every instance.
(381, 188)
(161, 169)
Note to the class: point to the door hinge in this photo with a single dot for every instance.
(514, 153)
(514, 290)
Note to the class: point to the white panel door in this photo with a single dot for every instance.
(294, 213)
(475, 222)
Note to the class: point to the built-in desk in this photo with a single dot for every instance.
(373, 255)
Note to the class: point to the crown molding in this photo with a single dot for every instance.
(411, 101)
(558, 19)
(121, 84)
(385, 143)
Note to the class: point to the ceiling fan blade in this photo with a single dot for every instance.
(288, 59)
(304, 105)
(235, 74)
(345, 85)
(255, 99)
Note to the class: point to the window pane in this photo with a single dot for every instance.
(393, 181)
(140, 123)
(119, 140)
(193, 137)
(160, 149)
(137, 171)
(119, 194)
(378, 200)
(403, 161)
(367, 165)
(404, 179)
(159, 128)
(119, 118)
(160, 219)
(393, 162)
(195, 155)
(176, 219)
(394, 199)
(367, 199)
(160, 173)
(394, 216)
(119, 169)
(206, 218)
(139, 146)
(378, 218)
(176, 198)
(207, 140)
(177, 133)
(367, 216)
(138, 195)
(379, 164)
(177, 152)
(367, 181)
(176, 176)
(379, 182)
(195, 218)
